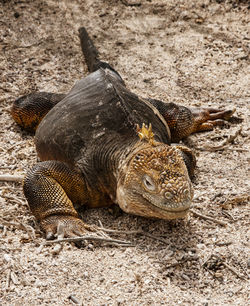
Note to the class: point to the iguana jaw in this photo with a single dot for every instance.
(142, 207)
(168, 206)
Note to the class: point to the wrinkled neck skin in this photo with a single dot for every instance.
(107, 163)
(153, 181)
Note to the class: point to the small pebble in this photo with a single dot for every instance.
(90, 246)
(102, 279)
(57, 249)
(7, 257)
(16, 15)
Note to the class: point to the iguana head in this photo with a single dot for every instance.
(155, 182)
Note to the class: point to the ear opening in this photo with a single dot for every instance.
(189, 159)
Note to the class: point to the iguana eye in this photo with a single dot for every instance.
(148, 182)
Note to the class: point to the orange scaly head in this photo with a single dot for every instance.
(155, 180)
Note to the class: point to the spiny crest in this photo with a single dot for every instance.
(146, 133)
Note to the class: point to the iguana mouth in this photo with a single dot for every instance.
(176, 210)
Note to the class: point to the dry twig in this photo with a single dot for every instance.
(14, 278)
(223, 243)
(7, 283)
(29, 229)
(93, 238)
(74, 299)
(197, 214)
(179, 262)
(139, 232)
(133, 3)
(224, 144)
(11, 178)
(237, 200)
(232, 269)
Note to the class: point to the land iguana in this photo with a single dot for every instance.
(101, 144)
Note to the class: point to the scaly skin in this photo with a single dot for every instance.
(152, 181)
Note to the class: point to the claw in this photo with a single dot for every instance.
(49, 235)
(64, 226)
(60, 232)
(227, 114)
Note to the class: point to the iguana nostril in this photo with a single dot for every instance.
(168, 195)
(186, 193)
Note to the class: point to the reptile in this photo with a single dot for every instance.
(100, 144)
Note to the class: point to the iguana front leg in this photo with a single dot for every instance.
(204, 119)
(183, 121)
(51, 188)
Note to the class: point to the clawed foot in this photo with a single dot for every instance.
(205, 119)
(61, 226)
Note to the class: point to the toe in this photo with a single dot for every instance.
(217, 122)
(207, 126)
(50, 235)
(225, 114)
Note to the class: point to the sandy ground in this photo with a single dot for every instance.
(192, 53)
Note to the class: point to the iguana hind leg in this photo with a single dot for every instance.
(28, 111)
(51, 188)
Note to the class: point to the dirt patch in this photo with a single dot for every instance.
(193, 53)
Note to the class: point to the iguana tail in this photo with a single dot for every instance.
(91, 54)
